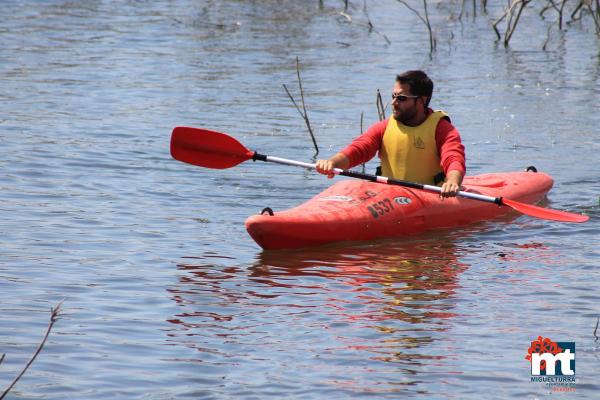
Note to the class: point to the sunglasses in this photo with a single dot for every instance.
(401, 98)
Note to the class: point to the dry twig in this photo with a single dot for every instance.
(462, 9)
(380, 107)
(361, 131)
(544, 46)
(432, 41)
(54, 314)
(305, 113)
(512, 20)
(369, 25)
(560, 13)
(594, 13)
(577, 10)
(361, 121)
(559, 8)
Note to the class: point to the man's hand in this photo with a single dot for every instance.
(451, 186)
(326, 167)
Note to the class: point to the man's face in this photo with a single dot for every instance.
(404, 107)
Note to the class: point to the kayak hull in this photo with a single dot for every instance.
(356, 210)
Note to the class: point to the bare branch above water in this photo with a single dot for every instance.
(511, 15)
(425, 20)
(369, 25)
(380, 107)
(54, 314)
(302, 112)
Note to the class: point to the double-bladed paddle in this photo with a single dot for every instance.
(212, 149)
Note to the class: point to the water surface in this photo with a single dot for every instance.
(166, 296)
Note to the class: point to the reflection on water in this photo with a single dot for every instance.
(388, 301)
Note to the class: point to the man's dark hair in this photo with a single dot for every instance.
(418, 82)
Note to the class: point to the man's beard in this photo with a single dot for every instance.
(404, 117)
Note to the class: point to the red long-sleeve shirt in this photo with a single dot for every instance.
(447, 139)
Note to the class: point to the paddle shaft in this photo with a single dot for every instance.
(376, 178)
(211, 149)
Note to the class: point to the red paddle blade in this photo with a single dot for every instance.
(545, 213)
(207, 148)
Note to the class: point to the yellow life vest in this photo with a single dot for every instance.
(410, 152)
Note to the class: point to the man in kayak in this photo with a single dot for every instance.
(417, 144)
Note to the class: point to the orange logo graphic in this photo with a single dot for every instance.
(543, 345)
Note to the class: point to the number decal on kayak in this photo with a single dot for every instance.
(368, 194)
(381, 207)
(373, 212)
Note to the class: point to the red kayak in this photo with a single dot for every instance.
(360, 210)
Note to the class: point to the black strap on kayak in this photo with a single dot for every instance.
(531, 168)
(267, 210)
